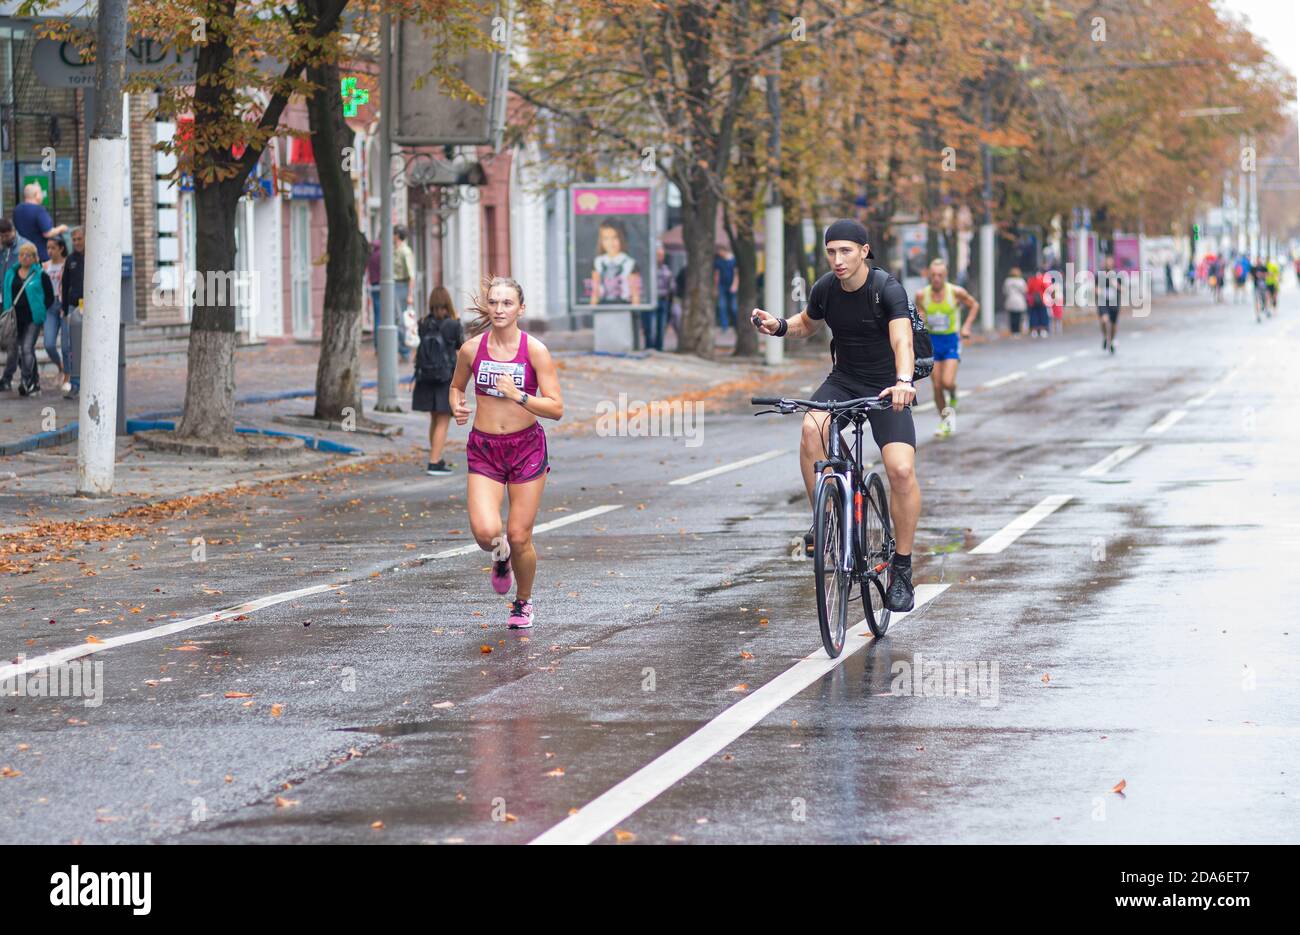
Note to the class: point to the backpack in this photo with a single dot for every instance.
(435, 360)
(922, 347)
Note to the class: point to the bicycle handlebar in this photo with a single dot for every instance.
(863, 402)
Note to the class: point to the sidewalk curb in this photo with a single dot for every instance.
(148, 420)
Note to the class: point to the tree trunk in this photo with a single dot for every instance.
(338, 383)
(795, 262)
(210, 376)
(699, 220)
(746, 251)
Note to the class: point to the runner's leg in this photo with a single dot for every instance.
(936, 379)
(484, 498)
(525, 499)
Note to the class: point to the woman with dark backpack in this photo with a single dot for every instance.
(435, 361)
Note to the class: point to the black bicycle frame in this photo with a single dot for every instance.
(847, 473)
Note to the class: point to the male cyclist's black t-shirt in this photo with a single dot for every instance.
(862, 349)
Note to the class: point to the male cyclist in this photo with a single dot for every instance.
(872, 356)
(938, 301)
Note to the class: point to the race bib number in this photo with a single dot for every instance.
(489, 370)
(938, 321)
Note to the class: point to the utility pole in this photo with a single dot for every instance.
(988, 262)
(387, 345)
(1242, 241)
(97, 408)
(1253, 210)
(774, 287)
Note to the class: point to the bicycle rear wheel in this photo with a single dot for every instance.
(878, 551)
(833, 581)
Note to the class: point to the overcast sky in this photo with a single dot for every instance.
(1275, 22)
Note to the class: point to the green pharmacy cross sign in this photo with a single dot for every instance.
(353, 97)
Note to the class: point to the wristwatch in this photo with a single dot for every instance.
(907, 380)
(523, 399)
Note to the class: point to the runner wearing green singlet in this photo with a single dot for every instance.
(939, 302)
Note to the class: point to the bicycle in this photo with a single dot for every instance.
(849, 546)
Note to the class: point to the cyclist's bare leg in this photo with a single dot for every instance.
(524, 502)
(812, 448)
(904, 493)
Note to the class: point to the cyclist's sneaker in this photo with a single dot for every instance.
(501, 576)
(808, 549)
(899, 597)
(437, 468)
(521, 615)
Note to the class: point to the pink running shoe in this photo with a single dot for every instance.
(521, 615)
(501, 577)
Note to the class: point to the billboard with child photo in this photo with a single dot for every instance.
(612, 249)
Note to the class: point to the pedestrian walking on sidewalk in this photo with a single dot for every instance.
(33, 221)
(74, 284)
(655, 321)
(1035, 290)
(1014, 292)
(515, 383)
(28, 295)
(726, 282)
(57, 251)
(435, 364)
(403, 280)
(1054, 298)
(372, 279)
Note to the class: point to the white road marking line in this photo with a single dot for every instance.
(1080, 353)
(544, 527)
(1217, 386)
(1167, 422)
(166, 629)
(1137, 334)
(1052, 362)
(1021, 525)
(604, 812)
(1118, 456)
(1002, 380)
(806, 389)
(924, 407)
(724, 468)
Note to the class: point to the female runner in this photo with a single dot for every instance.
(515, 383)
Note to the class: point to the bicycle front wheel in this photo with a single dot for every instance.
(878, 552)
(833, 581)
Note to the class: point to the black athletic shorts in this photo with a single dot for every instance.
(887, 426)
(1108, 311)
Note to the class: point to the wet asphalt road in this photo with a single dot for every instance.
(1142, 633)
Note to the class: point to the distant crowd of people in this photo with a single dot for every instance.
(42, 287)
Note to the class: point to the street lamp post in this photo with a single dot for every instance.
(387, 339)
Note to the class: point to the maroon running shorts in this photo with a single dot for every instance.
(515, 458)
